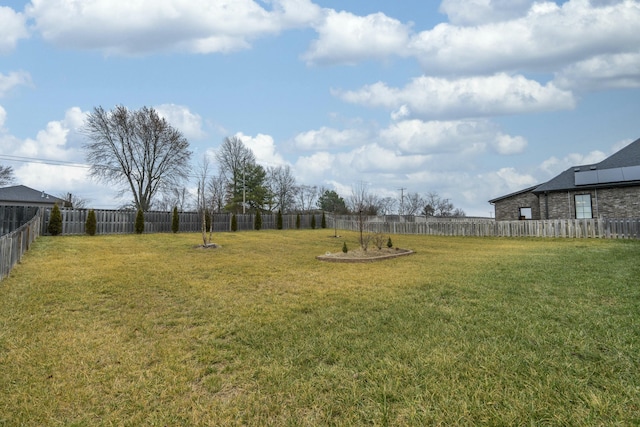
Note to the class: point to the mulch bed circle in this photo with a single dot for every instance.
(361, 256)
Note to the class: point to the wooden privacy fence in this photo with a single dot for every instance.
(13, 217)
(14, 244)
(122, 222)
(628, 228)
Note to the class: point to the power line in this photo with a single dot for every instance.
(42, 161)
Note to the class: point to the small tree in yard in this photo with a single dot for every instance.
(344, 247)
(175, 220)
(298, 221)
(313, 222)
(234, 223)
(389, 243)
(379, 240)
(91, 224)
(139, 225)
(55, 221)
(258, 221)
(279, 220)
(323, 221)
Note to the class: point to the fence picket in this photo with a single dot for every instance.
(122, 222)
(14, 244)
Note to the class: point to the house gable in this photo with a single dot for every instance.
(21, 195)
(610, 188)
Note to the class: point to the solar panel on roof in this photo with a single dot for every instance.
(603, 176)
(631, 173)
(610, 175)
(586, 177)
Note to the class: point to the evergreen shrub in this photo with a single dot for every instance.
(323, 221)
(258, 221)
(279, 225)
(91, 224)
(139, 225)
(313, 222)
(344, 247)
(298, 221)
(175, 220)
(234, 223)
(55, 221)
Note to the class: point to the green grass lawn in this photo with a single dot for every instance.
(148, 330)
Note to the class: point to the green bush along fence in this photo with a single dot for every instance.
(122, 222)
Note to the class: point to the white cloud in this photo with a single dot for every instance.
(12, 80)
(12, 28)
(507, 180)
(59, 140)
(553, 165)
(346, 38)
(437, 137)
(376, 159)
(67, 179)
(264, 148)
(615, 71)
(506, 144)
(326, 138)
(56, 164)
(431, 97)
(614, 149)
(190, 124)
(314, 168)
(159, 25)
(548, 37)
(474, 12)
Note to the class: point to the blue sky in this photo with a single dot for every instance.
(471, 99)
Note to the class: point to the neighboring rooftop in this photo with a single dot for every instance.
(26, 195)
(620, 169)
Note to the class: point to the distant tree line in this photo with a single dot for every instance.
(149, 159)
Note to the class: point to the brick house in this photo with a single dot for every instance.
(609, 189)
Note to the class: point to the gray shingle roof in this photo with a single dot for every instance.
(628, 156)
(24, 194)
(526, 190)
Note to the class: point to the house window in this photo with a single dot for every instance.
(583, 206)
(525, 213)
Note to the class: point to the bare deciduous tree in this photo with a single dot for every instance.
(438, 206)
(137, 149)
(203, 175)
(306, 196)
(6, 175)
(387, 205)
(359, 202)
(362, 201)
(174, 197)
(413, 204)
(282, 185)
(216, 191)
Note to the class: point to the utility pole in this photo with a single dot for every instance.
(401, 200)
